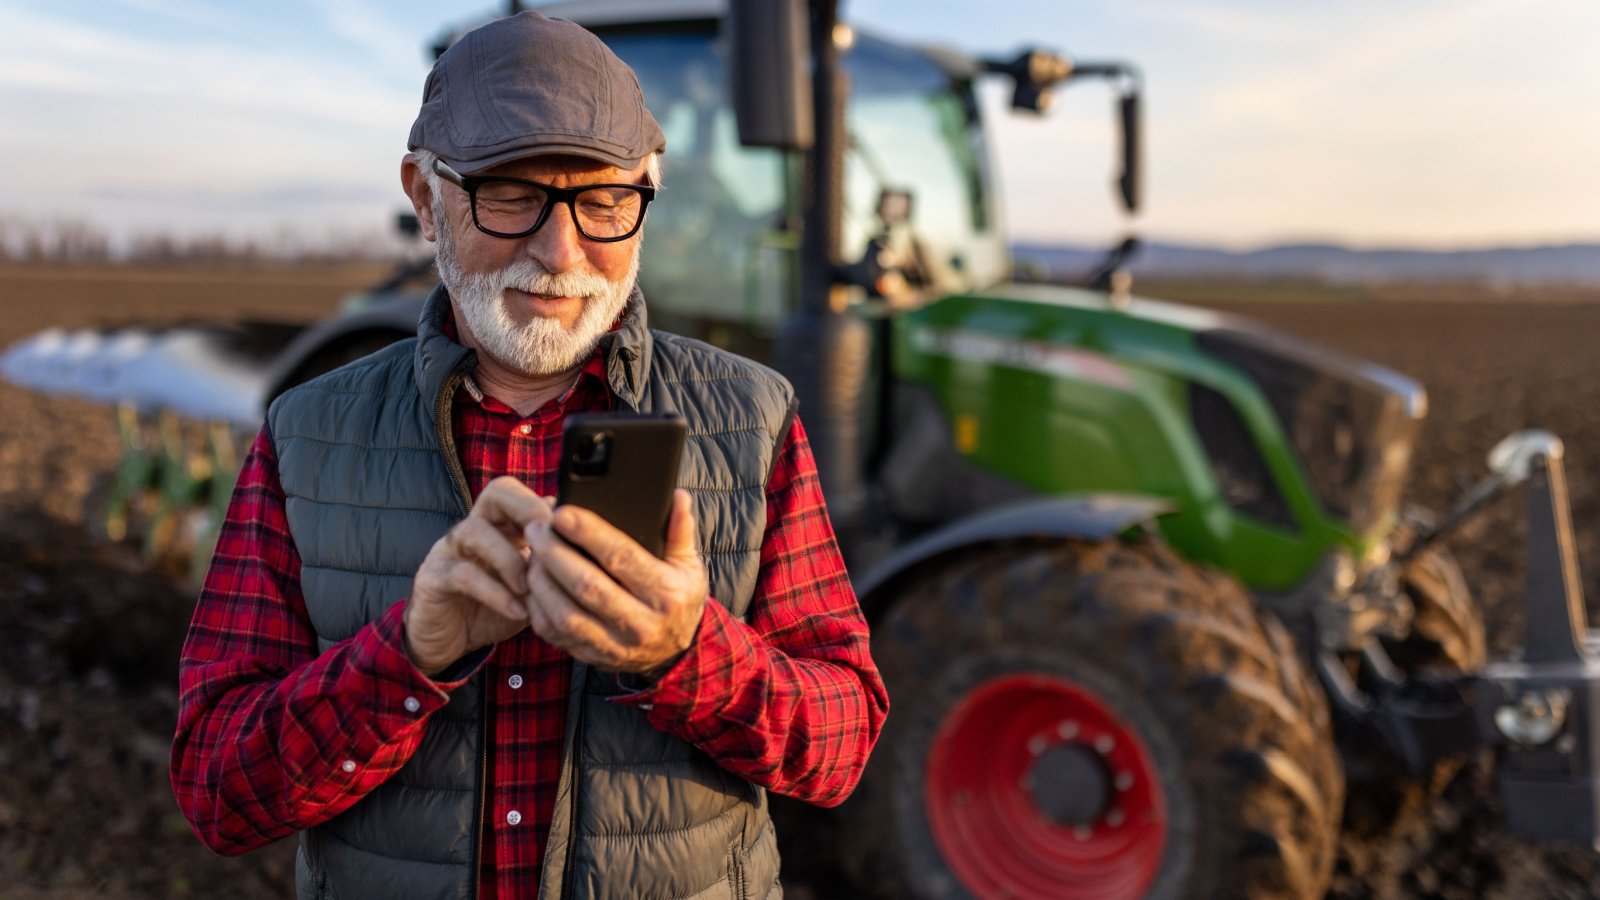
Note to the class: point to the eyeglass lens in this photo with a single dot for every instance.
(513, 207)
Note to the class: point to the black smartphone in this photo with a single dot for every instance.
(623, 466)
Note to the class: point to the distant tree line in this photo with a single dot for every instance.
(34, 240)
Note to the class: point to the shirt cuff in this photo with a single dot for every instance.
(380, 655)
(688, 698)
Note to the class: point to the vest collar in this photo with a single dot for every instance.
(627, 349)
(438, 358)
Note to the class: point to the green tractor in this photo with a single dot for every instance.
(1140, 580)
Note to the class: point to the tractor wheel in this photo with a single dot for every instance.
(1079, 720)
(1447, 625)
(347, 350)
(1446, 638)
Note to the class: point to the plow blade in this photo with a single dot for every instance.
(207, 373)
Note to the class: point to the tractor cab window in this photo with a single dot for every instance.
(912, 128)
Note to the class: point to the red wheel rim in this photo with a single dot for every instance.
(983, 811)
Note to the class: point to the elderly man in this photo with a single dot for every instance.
(398, 651)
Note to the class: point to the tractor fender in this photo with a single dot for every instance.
(1089, 517)
(397, 315)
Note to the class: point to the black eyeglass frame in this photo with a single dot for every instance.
(558, 196)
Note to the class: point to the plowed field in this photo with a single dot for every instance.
(88, 641)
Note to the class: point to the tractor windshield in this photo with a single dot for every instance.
(719, 248)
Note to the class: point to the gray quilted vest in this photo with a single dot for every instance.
(372, 479)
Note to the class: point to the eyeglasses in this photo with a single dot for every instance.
(516, 207)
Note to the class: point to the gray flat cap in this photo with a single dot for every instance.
(528, 85)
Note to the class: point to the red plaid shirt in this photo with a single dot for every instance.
(274, 738)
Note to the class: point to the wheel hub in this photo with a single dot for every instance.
(1071, 785)
(1035, 789)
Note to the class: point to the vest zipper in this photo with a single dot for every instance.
(483, 793)
(739, 889)
(446, 439)
(442, 432)
(577, 786)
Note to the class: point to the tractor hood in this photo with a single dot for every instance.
(1293, 434)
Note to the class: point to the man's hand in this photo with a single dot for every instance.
(632, 612)
(470, 590)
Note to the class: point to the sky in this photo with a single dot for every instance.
(1421, 123)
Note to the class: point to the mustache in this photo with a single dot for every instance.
(529, 276)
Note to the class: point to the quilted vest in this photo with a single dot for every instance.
(371, 476)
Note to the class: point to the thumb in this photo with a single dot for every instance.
(683, 541)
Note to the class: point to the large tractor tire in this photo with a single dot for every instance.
(1075, 720)
(1446, 638)
(1447, 625)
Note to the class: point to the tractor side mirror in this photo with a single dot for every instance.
(1130, 181)
(769, 73)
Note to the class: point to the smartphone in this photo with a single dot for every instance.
(624, 467)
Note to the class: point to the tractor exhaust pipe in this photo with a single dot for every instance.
(823, 349)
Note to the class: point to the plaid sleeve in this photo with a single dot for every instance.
(273, 737)
(792, 701)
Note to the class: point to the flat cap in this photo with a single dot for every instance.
(528, 85)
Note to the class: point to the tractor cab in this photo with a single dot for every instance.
(720, 253)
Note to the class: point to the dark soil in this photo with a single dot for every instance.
(89, 640)
(1490, 368)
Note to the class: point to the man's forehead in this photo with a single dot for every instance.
(556, 168)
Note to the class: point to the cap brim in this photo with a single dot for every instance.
(586, 151)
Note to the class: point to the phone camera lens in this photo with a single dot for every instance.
(591, 453)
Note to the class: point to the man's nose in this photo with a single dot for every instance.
(557, 245)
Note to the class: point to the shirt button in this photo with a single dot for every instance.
(515, 681)
(348, 766)
(412, 704)
(513, 818)
(525, 429)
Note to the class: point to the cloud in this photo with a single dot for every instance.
(78, 60)
(371, 28)
(210, 18)
(1218, 23)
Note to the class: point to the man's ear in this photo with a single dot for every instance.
(415, 184)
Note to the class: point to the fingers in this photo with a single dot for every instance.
(683, 539)
(475, 540)
(469, 580)
(510, 505)
(633, 567)
(492, 534)
(625, 610)
(583, 581)
(556, 618)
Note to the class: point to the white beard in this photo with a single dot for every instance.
(541, 346)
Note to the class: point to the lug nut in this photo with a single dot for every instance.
(1124, 780)
(1068, 730)
(1104, 743)
(1036, 745)
(1115, 818)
